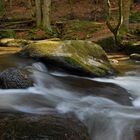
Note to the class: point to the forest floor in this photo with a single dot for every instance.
(85, 20)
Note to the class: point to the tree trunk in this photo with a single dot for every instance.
(38, 13)
(46, 13)
(42, 13)
(31, 7)
(125, 12)
(115, 30)
(1, 7)
(11, 4)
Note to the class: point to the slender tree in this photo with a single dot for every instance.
(30, 7)
(125, 13)
(43, 13)
(11, 4)
(1, 7)
(123, 20)
(115, 30)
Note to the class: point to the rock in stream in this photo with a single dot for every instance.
(52, 126)
(74, 56)
(13, 78)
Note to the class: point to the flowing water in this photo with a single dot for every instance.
(104, 118)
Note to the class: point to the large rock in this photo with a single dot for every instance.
(133, 47)
(52, 126)
(75, 56)
(95, 88)
(14, 79)
(10, 42)
(135, 56)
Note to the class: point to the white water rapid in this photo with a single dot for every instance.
(104, 118)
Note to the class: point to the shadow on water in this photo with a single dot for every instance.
(12, 60)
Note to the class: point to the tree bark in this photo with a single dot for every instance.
(46, 14)
(1, 7)
(31, 7)
(125, 12)
(115, 30)
(42, 13)
(11, 4)
(38, 13)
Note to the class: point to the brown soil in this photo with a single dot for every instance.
(82, 10)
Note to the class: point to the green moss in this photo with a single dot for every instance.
(76, 29)
(77, 54)
(134, 17)
(78, 25)
(41, 49)
(9, 33)
(84, 52)
(85, 49)
(76, 61)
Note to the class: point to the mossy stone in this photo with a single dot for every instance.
(74, 55)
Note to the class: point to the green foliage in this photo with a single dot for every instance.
(134, 18)
(9, 33)
(77, 29)
(52, 33)
(108, 44)
(78, 25)
(39, 34)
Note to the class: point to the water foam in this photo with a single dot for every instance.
(105, 119)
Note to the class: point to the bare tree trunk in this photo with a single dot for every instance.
(114, 30)
(126, 11)
(71, 9)
(1, 7)
(11, 4)
(46, 14)
(42, 13)
(38, 13)
(29, 3)
(31, 7)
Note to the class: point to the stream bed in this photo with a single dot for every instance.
(104, 118)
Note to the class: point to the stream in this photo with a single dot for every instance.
(104, 118)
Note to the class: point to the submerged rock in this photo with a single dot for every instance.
(98, 89)
(135, 56)
(52, 126)
(14, 79)
(75, 56)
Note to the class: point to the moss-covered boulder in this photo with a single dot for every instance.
(75, 56)
(10, 42)
(52, 126)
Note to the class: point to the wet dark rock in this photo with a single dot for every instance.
(137, 131)
(135, 56)
(52, 126)
(13, 78)
(100, 89)
(130, 48)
